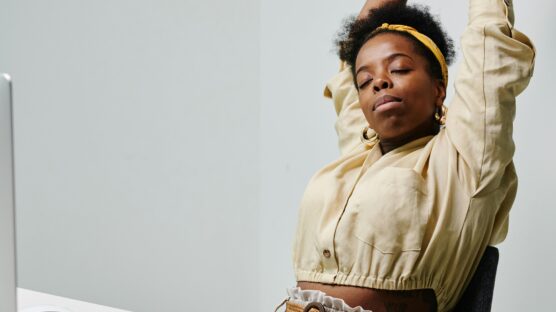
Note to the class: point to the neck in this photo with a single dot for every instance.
(389, 144)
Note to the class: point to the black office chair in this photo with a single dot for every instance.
(478, 294)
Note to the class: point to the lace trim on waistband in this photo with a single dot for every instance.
(303, 297)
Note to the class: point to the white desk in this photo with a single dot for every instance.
(28, 300)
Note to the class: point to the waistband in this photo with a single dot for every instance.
(315, 301)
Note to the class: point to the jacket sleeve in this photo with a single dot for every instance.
(351, 121)
(496, 67)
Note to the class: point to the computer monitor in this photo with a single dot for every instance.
(8, 295)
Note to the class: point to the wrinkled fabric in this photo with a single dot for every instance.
(422, 215)
(331, 304)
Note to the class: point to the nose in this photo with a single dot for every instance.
(380, 84)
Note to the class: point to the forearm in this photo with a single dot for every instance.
(483, 12)
(373, 4)
(496, 67)
(341, 90)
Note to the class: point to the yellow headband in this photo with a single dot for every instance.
(424, 40)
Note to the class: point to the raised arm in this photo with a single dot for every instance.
(373, 4)
(343, 93)
(497, 66)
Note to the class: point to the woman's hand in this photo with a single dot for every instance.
(372, 4)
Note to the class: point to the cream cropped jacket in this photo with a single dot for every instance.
(421, 215)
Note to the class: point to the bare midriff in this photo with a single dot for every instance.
(376, 300)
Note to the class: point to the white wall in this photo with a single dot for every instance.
(137, 150)
(162, 147)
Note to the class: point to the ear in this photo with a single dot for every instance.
(440, 93)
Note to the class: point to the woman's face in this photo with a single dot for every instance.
(397, 93)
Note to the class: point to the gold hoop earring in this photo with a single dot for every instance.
(365, 136)
(440, 117)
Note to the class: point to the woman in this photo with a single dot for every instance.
(400, 221)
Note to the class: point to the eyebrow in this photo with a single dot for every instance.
(388, 59)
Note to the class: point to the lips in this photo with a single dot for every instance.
(384, 100)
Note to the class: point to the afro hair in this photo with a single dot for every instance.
(356, 33)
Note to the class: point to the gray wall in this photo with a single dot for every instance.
(162, 147)
(137, 135)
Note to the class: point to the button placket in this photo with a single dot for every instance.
(328, 260)
(370, 159)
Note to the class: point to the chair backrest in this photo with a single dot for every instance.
(478, 294)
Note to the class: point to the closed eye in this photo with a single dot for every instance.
(365, 83)
(401, 71)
